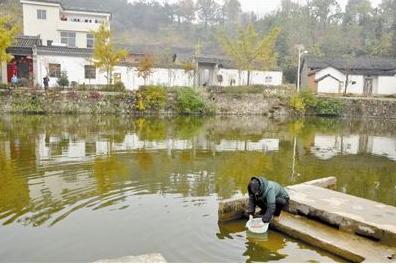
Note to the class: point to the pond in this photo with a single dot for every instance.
(83, 188)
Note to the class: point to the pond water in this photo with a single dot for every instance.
(82, 188)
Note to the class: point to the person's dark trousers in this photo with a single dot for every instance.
(281, 203)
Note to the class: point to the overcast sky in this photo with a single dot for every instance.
(265, 6)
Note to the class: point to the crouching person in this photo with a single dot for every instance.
(269, 196)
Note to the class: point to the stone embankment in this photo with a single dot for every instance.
(271, 103)
(369, 107)
(353, 228)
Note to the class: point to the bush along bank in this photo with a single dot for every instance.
(307, 103)
(147, 100)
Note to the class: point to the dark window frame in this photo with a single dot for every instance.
(90, 41)
(68, 38)
(41, 14)
(54, 73)
(89, 72)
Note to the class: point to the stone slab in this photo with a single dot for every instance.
(348, 246)
(346, 212)
(149, 258)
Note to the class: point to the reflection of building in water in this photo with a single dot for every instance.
(382, 146)
(56, 185)
(5, 149)
(73, 151)
(328, 146)
(76, 150)
(238, 145)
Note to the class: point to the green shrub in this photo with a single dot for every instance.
(308, 98)
(151, 98)
(296, 102)
(328, 106)
(119, 87)
(189, 101)
(63, 80)
(74, 85)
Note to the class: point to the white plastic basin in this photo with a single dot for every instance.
(257, 226)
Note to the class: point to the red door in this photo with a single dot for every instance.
(11, 70)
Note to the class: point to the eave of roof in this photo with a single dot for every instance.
(64, 51)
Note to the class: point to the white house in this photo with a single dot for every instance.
(59, 39)
(56, 24)
(359, 76)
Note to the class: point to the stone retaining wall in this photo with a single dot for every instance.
(369, 107)
(221, 103)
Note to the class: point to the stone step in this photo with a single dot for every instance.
(346, 212)
(148, 258)
(348, 246)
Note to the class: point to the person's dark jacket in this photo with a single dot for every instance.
(269, 192)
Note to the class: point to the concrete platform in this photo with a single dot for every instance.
(348, 246)
(149, 258)
(345, 212)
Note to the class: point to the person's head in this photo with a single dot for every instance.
(254, 186)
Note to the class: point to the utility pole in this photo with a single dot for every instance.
(301, 51)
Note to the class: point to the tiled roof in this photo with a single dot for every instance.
(64, 51)
(358, 65)
(81, 6)
(26, 41)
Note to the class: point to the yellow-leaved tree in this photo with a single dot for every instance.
(8, 32)
(145, 67)
(105, 56)
(248, 50)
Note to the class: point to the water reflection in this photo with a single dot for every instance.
(54, 168)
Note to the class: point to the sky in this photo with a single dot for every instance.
(262, 7)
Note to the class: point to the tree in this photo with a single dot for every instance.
(145, 67)
(105, 56)
(208, 11)
(249, 50)
(232, 11)
(357, 12)
(63, 80)
(8, 32)
(187, 10)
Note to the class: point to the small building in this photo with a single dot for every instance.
(367, 76)
(221, 71)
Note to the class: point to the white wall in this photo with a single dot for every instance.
(3, 72)
(330, 85)
(356, 88)
(386, 85)
(256, 77)
(74, 66)
(50, 28)
(47, 29)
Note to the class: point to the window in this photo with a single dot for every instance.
(54, 70)
(90, 72)
(90, 41)
(68, 38)
(268, 79)
(41, 14)
(117, 77)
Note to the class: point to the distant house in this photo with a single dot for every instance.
(220, 71)
(58, 38)
(360, 76)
